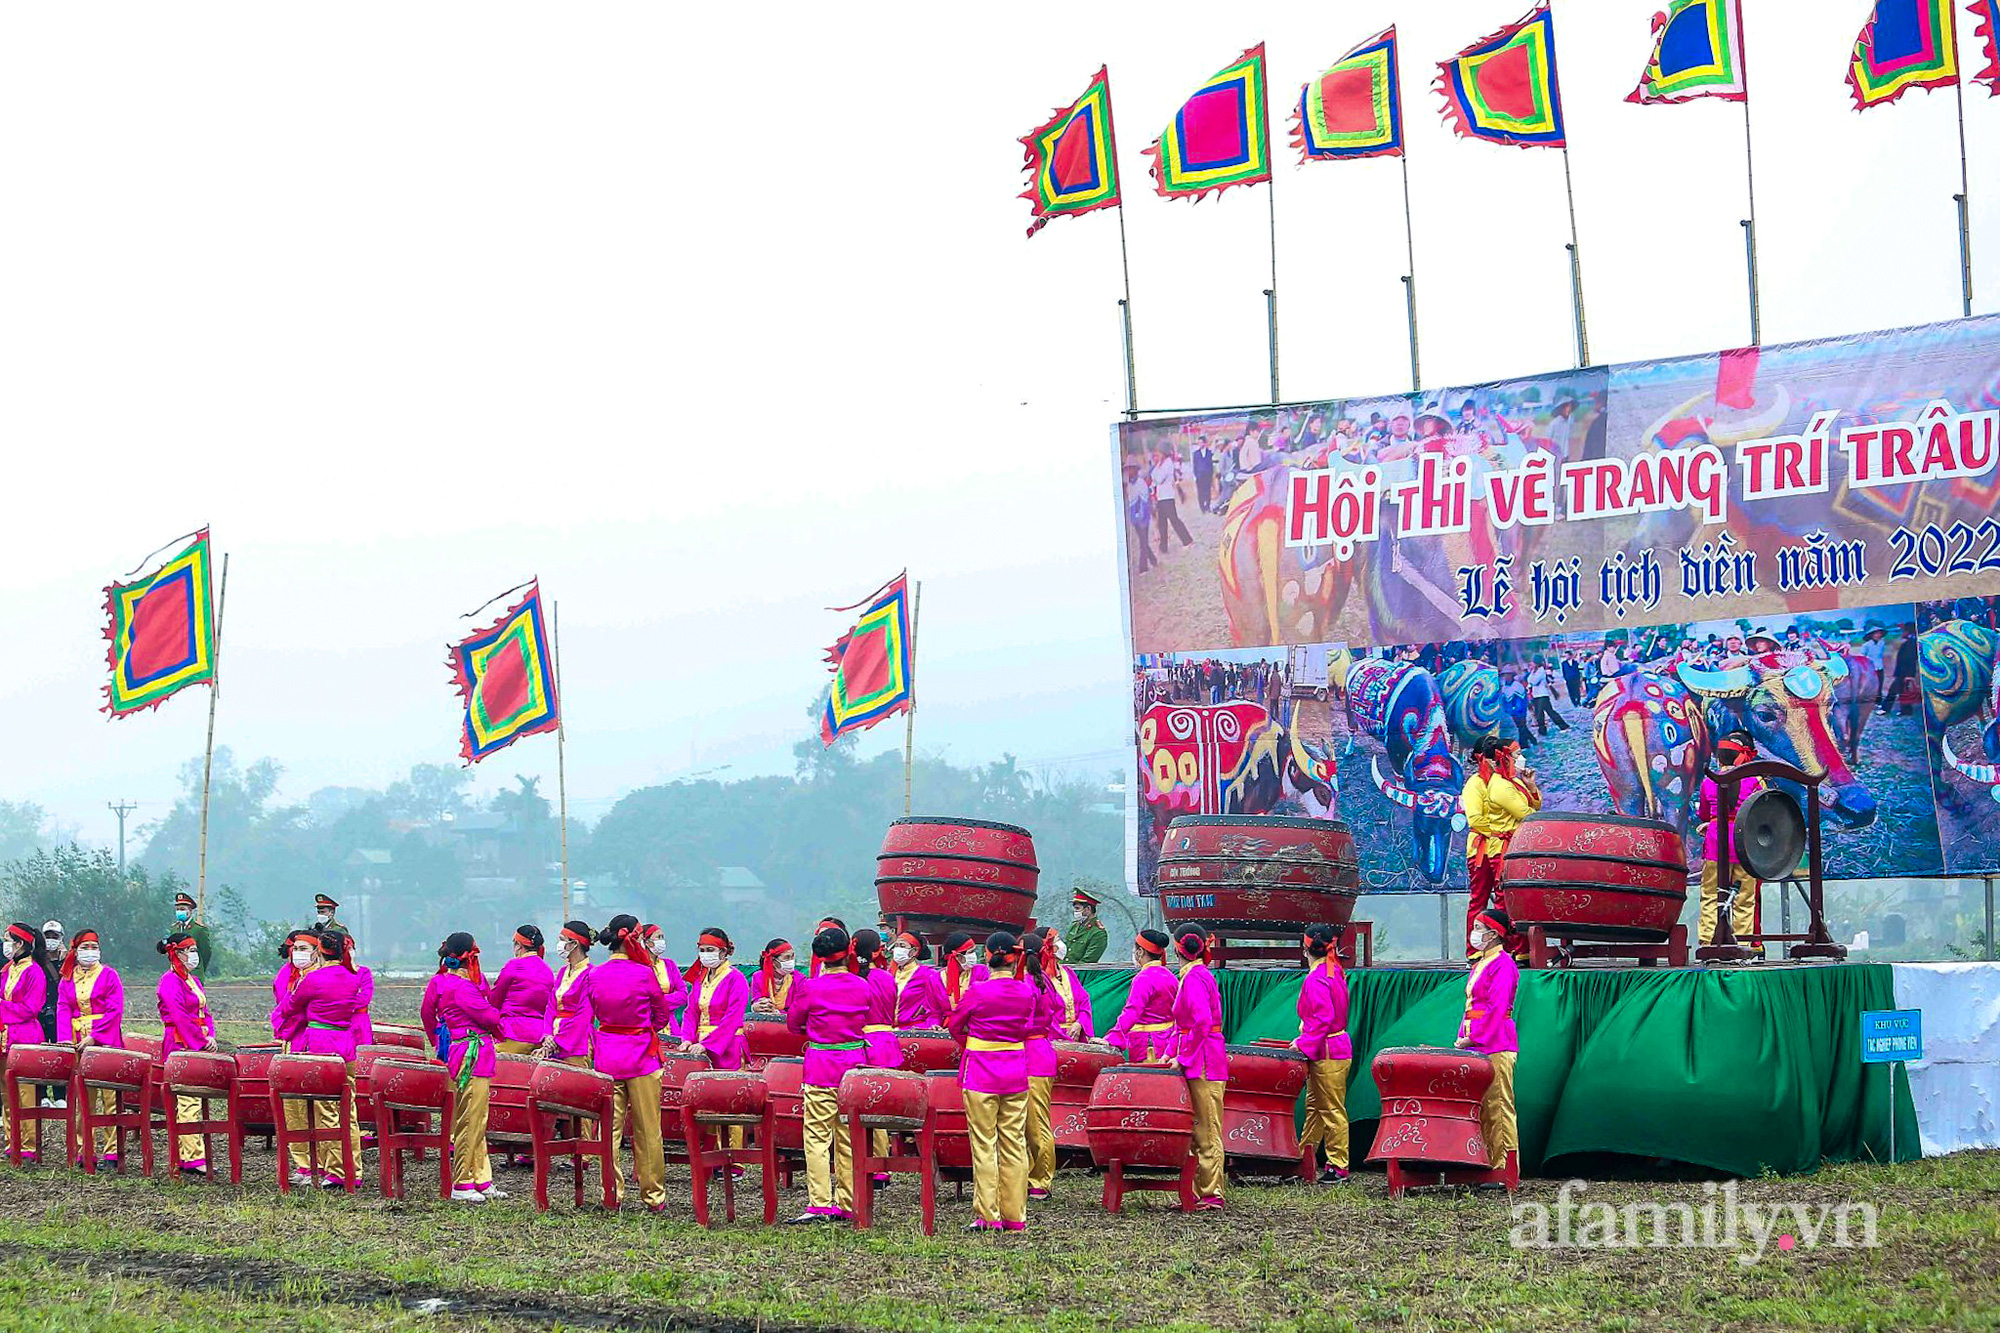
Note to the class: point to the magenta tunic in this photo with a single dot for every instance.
(878, 1027)
(524, 994)
(1198, 1042)
(23, 987)
(184, 1018)
(1145, 1027)
(1004, 1011)
(630, 1010)
(573, 1021)
(364, 995)
(714, 1017)
(1069, 1007)
(1489, 1005)
(920, 999)
(1323, 1015)
(464, 1010)
(786, 988)
(281, 986)
(107, 1007)
(672, 985)
(967, 979)
(317, 1018)
(829, 1011)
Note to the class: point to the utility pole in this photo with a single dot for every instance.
(121, 809)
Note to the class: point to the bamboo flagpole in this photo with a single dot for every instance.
(1750, 182)
(1575, 268)
(1125, 318)
(910, 714)
(562, 774)
(1964, 201)
(1410, 277)
(208, 756)
(1271, 292)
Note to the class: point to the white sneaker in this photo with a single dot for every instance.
(494, 1192)
(304, 1178)
(466, 1194)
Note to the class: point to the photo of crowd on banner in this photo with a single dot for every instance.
(1892, 707)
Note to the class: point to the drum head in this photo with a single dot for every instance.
(1770, 835)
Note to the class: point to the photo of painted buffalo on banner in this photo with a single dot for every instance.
(1330, 603)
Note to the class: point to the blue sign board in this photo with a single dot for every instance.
(1889, 1035)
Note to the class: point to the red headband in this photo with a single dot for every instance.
(527, 943)
(633, 943)
(1484, 920)
(906, 938)
(708, 941)
(26, 937)
(83, 937)
(569, 934)
(1180, 947)
(1147, 946)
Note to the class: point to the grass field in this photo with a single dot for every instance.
(130, 1254)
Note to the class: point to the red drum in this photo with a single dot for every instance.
(394, 1034)
(507, 1100)
(110, 1067)
(308, 1075)
(725, 1094)
(953, 1144)
(37, 1062)
(571, 1089)
(942, 875)
(785, 1078)
(885, 1098)
(1595, 877)
(253, 1085)
(1430, 1105)
(1140, 1117)
(769, 1039)
(192, 1071)
(1078, 1063)
(925, 1049)
(1258, 875)
(1259, 1103)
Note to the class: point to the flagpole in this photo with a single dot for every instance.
(1964, 200)
(1750, 177)
(1125, 316)
(208, 759)
(1271, 293)
(1575, 268)
(1410, 278)
(910, 715)
(562, 774)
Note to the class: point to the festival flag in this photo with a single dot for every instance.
(874, 664)
(505, 676)
(162, 632)
(1987, 30)
(1072, 162)
(1905, 44)
(1354, 108)
(1504, 89)
(1697, 52)
(1220, 137)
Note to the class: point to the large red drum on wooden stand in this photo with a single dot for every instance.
(507, 1106)
(953, 1142)
(926, 1049)
(1259, 1110)
(1078, 1063)
(938, 875)
(253, 1086)
(769, 1039)
(1430, 1118)
(1142, 1119)
(1595, 877)
(785, 1077)
(1258, 876)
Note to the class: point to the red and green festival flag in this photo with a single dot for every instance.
(162, 632)
(1072, 161)
(1697, 52)
(1504, 89)
(1987, 29)
(505, 675)
(1905, 44)
(874, 664)
(1354, 108)
(1220, 137)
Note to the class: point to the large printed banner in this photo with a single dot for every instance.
(1615, 566)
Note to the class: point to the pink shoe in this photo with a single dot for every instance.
(1013, 1226)
(1211, 1204)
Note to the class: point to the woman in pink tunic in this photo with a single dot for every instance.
(186, 1025)
(1145, 1027)
(317, 1018)
(466, 1027)
(1069, 1020)
(1324, 1042)
(632, 1010)
(1488, 1027)
(570, 1021)
(668, 972)
(830, 1010)
(993, 1023)
(90, 1011)
(24, 988)
(771, 988)
(920, 997)
(524, 995)
(718, 997)
(961, 972)
(1198, 1050)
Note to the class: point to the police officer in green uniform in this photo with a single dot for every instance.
(184, 909)
(1084, 941)
(323, 914)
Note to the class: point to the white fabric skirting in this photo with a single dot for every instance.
(1956, 1086)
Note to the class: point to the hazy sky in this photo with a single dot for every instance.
(714, 316)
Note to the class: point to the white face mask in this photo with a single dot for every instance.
(1480, 938)
(657, 946)
(709, 957)
(302, 958)
(1076, 914)
(194, 958)
(16, 949)
(786, 963)
(1062, 951)
(902, 953)
(87, 956)
(324, 917)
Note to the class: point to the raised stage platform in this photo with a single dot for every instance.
(1738, 1070)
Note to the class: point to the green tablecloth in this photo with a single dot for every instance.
(1741, 1071)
